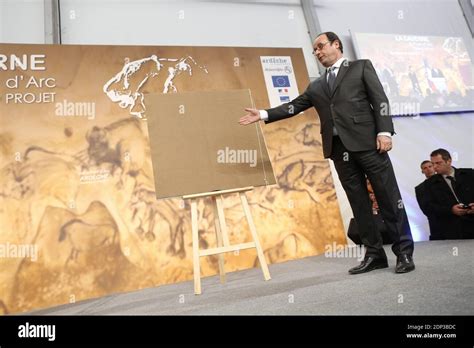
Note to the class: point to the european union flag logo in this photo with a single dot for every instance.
(280, 81)
(285, 99)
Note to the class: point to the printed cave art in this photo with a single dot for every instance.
(79, 212)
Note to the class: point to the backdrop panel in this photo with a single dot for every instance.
(78, 212)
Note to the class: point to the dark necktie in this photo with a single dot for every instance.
(453, 186)
(331, 78)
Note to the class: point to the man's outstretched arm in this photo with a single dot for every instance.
(281, 112)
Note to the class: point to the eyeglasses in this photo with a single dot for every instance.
(320, 46)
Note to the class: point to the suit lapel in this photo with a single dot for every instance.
(456, 174)
(320, 88)
(443, 185)
(340, 75)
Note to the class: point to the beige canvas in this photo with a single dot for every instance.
(198, 146)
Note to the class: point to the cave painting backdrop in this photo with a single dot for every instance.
(78, 213)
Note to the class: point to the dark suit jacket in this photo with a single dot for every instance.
(423, 202)
(358, 107)
(441, 200)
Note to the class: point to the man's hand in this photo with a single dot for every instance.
(457, 210)
(252, 116)
(384, 143)
(471, 210)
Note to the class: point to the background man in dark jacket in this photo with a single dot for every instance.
(451, 197)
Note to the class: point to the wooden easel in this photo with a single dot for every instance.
(223, 245)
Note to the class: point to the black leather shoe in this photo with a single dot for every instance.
(405, 264)
(369, 264)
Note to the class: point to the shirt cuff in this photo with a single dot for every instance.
(263, 115)
(387, 134)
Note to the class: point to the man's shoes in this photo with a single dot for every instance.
(405, 264)
(369, 264)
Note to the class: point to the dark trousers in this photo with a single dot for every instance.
(352, 168)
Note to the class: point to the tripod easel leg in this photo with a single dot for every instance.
(219, 240)
(253, 230)
(195, 231)
(220, 215)
(223, 244)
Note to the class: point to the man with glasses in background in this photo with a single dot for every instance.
(356, 129)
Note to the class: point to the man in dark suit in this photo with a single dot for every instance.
(356, 130)
(451, 197)
(427, 169)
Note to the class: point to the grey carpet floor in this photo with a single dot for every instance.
(442, 284)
